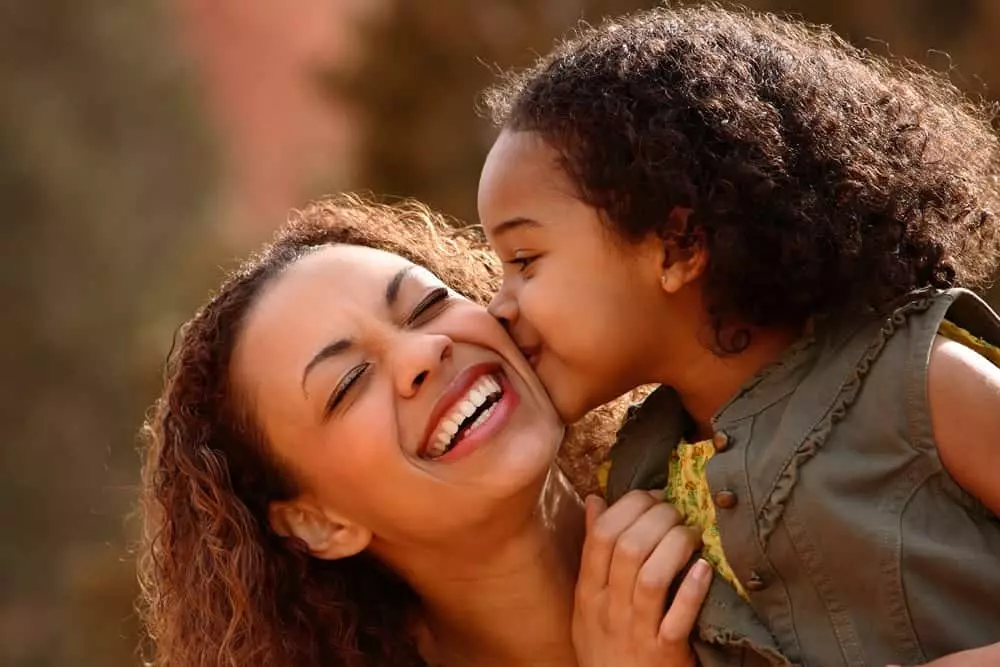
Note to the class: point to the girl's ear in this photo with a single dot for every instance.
(683, 263)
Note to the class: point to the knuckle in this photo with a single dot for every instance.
(586, 600)
(684, 538)
(690, 541)
(651, 581)
(629, 550)
(640, 499)
(603, 536)
(669, 514)
(685, 593)
(671, 634)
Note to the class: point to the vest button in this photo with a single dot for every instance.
(725, 499)
(755, 583)
(720, 441)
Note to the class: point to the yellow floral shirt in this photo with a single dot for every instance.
(687, 486)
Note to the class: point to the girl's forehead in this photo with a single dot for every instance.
(523, 178)
(515, 152)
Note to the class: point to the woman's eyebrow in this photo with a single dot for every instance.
(337, 347)
(392, 289)
(328, 352)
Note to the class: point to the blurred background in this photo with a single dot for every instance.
(145, 145)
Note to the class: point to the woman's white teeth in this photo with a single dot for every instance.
(483, 417)
(485, 388)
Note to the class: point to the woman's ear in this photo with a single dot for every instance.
(326, 534)
(682, 263)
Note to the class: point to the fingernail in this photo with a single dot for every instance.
(701, 570)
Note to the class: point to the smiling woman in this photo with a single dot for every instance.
(352, 463)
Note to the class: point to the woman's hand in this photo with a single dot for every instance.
(632, 553)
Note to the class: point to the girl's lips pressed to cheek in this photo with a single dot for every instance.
(531, 353)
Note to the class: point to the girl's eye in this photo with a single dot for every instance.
(428, 307)
(342, 389)
(522, 263)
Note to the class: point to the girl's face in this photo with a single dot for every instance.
(580, 302)
(400, 408)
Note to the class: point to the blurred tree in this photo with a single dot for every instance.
(105, 174)
(424, 66)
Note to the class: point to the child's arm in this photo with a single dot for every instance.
(964, 394)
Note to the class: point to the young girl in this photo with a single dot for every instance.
(777, 228)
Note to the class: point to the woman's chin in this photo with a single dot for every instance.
(525, 469)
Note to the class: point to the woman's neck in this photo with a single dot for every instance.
(509, 601)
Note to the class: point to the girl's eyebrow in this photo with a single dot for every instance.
(514, 223)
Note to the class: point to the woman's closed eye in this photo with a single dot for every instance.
(425, 310)
(344, 387)
(428, 307)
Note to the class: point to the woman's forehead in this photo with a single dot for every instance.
(348, 269)
(359, 261)
(331, 294)
(332, 281)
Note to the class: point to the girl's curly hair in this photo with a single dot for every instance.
(821, 177)
(219, 587)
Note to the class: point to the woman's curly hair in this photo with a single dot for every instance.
(821, 177)
(219, 587)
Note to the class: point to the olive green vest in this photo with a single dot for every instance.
(854, 544)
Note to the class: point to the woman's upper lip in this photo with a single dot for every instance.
(455, 390)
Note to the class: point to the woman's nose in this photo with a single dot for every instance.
(420, 357)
